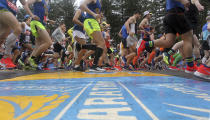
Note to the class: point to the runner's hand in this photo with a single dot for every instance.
(199, 7)
(35, 17)
(97, 16)
(186, 4)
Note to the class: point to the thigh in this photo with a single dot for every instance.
(9, 20)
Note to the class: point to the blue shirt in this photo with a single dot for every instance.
(39, 10)
(10, 6)
(124, 32)
(170, 4)
(95, 7)
(205, 31)
(81, 19)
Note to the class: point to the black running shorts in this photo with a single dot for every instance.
(176, 22)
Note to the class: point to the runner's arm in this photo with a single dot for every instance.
(26, 7)
(76, 18)
(198, 5)
(84, 7)
(120, 33)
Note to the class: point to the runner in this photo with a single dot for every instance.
(129, 39)
(204, 70)
(43, 40)
(192, 15)
(92, 28)
(79, 38)
(58, 37)
(176, 22)
(8, 23)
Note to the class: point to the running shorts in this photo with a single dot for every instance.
(176, 22)
(79, 34)
(131, 41)
(90, 26)
(34, 24)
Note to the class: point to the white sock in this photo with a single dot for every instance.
(10, 41)
(204, 60)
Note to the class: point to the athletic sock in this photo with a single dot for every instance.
(151, 56)
(10, 41)
(198, 60)
(204, 60)
(178, 58)
(189, 61)
(149, 44)
(171, 52)
(98, 53)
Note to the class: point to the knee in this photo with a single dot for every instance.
(49, 43)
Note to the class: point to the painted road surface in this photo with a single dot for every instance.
(104, 96)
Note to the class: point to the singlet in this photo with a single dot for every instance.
(39, 10)
(124, 32)
(27, 31)
(205, 31)
(58, 35)
(170, 4)
(26, 28)
(81, 19)
(95, 7)
(9, 5)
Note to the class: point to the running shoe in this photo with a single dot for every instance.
(7, 62)
(78, 69)
(20, 62)
(100, 69)
(166, 58)
(173, 68)
(132, 67)
(203, 72)
(190, 69)
(32, 62)
(96, 69)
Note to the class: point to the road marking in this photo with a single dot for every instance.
(140, 103)
(189, 116)
(189, 108)
(60, 115)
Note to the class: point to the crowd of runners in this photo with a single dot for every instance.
(28, 45)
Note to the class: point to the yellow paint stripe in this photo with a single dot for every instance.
(69, 75)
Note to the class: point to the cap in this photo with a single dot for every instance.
(26, 17)
(146, 13)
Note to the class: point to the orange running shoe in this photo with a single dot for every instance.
(203, 72)
(190, 69)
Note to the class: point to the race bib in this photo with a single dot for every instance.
(12, 6)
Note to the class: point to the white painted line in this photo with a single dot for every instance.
(189, 108)
(60, 115)
(140, 103)
(194, 117)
